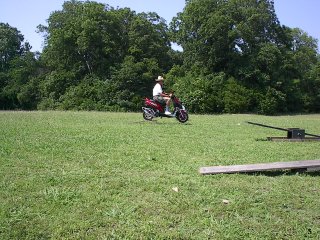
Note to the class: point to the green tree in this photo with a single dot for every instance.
(117, 46)
(202, 31)
(148, 55)
(201, 94)
(235, 97)
(244, 40)
(311, 96)
(273, 102)
(10, 45)
(305, 61)
(18, 66)
(223, 34)
(133, 81)
(148, 38)
(83, 38)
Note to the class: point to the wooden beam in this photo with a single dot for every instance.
(307, 164)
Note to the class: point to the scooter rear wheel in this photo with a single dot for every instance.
(147, 116)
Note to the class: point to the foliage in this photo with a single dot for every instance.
(236, 58)
(273, 102)
(203, 94)
(17, 67)
(87, 95)
(119, 47)
(133, 81)
(10, 45)
(235, 98)
(245, 40)
(311, 85)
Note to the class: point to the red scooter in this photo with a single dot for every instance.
(153, 109)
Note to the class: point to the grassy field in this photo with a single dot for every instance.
(93, 175)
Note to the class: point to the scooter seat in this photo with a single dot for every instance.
(161, 103)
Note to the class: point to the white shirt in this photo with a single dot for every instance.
(157, 90)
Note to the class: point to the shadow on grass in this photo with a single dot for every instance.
(274, 173)
(261, 139)
(284, 173)
(160, 122)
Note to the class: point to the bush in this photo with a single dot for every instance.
(201, 94)
(236, 98)
(90, 94)
(274, 102)
(47, 104)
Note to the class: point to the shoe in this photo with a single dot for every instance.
(167, 113)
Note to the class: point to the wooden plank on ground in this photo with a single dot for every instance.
(306, 164)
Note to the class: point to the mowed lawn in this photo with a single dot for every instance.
(97, 175)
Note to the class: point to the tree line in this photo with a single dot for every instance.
(236, 58)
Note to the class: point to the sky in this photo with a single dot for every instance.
(26, 15)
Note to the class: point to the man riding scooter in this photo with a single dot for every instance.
(161, 96)
(155, 108)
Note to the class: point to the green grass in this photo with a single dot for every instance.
(90, 175)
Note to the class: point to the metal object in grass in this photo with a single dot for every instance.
(293, 134)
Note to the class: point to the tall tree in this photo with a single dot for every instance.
(83, 38)
(147, 55)
(121, 49)
(305, 61)
(10, 45)
(18, 65)
(223, 34)
(244, 39)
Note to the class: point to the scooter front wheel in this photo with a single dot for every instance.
(182, 116)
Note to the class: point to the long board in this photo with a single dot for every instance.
(306, 164)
